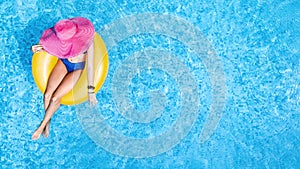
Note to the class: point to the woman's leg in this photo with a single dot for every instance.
(66, 85)
(57, 75)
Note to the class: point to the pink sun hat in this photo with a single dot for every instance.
(68, 37)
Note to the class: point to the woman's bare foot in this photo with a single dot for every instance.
(36, 134)
(46, 131)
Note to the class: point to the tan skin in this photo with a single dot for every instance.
(60, 82)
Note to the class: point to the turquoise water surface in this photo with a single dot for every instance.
(191, 84)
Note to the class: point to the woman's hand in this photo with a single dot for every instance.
(92, 99)
(37, 48)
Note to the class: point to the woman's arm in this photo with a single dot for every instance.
(90, 74)
(37, 48)
(90, 65)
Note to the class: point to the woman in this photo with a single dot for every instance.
(72, 41)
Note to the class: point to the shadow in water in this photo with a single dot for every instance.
(30, 35)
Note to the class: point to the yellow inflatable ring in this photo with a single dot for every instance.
(43, 63)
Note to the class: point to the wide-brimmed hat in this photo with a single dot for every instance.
(68, 37)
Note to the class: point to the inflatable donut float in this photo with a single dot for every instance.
(43, 63)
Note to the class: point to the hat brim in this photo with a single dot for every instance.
(72, 47)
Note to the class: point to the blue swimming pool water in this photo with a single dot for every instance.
(190, 85)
